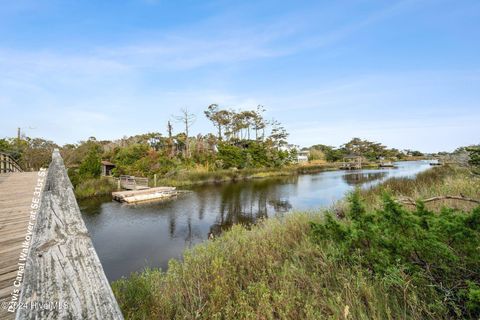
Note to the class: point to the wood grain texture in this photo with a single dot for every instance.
(16, 192)
(62, 265)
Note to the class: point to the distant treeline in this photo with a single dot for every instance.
(357, 147)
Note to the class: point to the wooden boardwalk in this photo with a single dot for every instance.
(48, 265)
(16, 193)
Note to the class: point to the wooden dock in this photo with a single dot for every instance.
(150, 194)
(16, 193)
(386, 164)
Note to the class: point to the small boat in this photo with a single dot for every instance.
(435, 162)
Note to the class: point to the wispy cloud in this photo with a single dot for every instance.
(195, 48)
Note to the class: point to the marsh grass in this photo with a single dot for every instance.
(200, 175)
(194, 177)
(438, 181)
(94, 187)
(272, 271)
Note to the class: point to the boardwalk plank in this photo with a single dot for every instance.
(16, 192)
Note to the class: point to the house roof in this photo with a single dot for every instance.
(107, 163)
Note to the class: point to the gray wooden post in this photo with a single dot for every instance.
(62, 265)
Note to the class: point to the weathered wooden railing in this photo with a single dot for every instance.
(133, 183)
(63, 277)
(7, 164)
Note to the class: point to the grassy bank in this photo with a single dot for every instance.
(281, 269)
(196, 177)
(94, 188)
(201, 176)
(444, 180)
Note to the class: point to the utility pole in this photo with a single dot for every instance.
(171, 145)
(169, 127)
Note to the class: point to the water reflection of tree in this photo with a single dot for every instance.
(245, 203)
(187, 230)
(93, 205)
(354, 179)
(281, 205)
(190, 232)
(172, 223)
(201, 206)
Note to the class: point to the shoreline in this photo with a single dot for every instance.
(192, 178)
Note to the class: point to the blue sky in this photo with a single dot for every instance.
(404, 73)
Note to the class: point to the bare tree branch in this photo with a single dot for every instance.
(410, 201)
(188, 119)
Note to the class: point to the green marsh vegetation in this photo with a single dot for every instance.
(368, 258)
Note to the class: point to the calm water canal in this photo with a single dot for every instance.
(128, 238)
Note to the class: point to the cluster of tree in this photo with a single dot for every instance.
(235, 127)
(370, 150)
(243, 139)
(29, 153)
(252, 154)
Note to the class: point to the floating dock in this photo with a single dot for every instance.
(151, 194)
(386, 164)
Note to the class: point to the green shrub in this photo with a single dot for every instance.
(231, 156)
(136, 293)
(91, 166)
(473, 298)
(253, 154)
(128, 155)
(437, 253)
(74, 176)
(474, 161)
